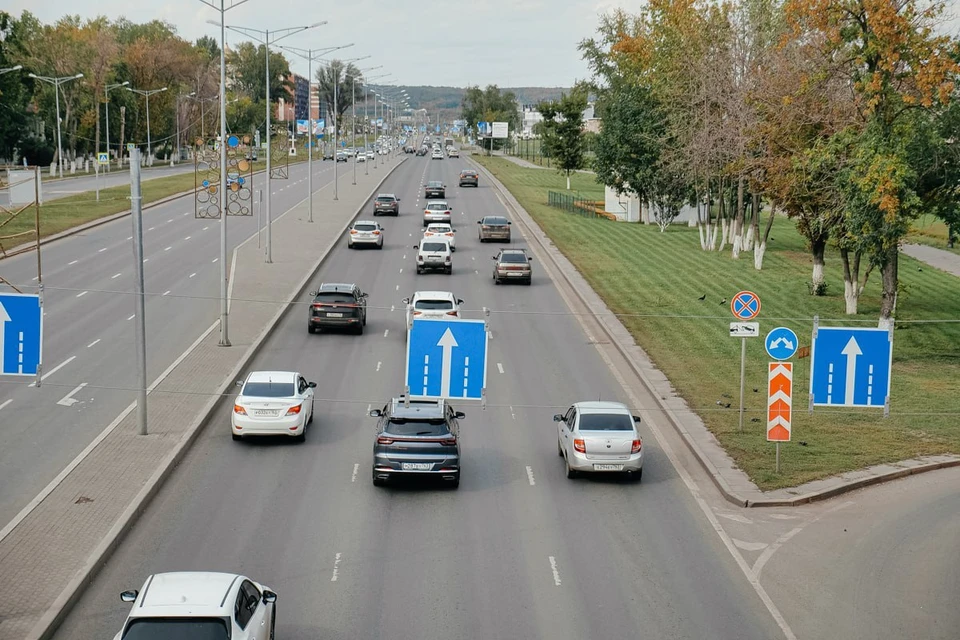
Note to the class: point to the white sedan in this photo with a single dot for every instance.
(443, 231)
(273, 403)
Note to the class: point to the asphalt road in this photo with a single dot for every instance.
(54, 189)
(518, 551)
(88, 332)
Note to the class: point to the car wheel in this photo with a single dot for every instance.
(496, 280)
(311, 329)
(419, 270)
(571, 472)
(273, 622)
(359, 329)
(364, 318)
(559, 448)
(455, 483)
(453, 249)
(449, 271)
(529, 282)
(303, 435)
(349, 245)
(377, 481)
(380, 247)
(311, 413)
(236, 438)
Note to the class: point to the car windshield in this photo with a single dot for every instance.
(365, 227)
(268, 389)
(433, 246)
(330, 297)
(605, 422)
(417, 427)
(180, 628)
(385, 198)
(434, 305)
(513, 257)
(494, 220)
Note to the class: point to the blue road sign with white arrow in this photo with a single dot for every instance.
(21, 334)
(447, 359)
(781, 343)
(850, 367)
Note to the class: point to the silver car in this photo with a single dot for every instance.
(437, 211)
(599, 437)
(365, 233)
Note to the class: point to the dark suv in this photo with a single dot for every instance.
(435, 189)
(337, 306)
(419, 438)
(386, 203)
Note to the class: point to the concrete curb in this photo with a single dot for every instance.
(48, 623)
(26, 247)
(719, 481)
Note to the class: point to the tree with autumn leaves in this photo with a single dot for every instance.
(834, 112)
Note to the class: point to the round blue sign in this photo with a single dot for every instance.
(233, 141)
(781, 343)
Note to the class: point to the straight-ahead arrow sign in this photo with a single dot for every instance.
(447, 342)
(852, 350)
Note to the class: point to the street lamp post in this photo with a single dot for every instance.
(147, 93)
(354, 125)
(266, 40)
(56, 82)
(106, 99)
(336, 125)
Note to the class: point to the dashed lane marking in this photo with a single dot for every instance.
(115, 276)
(93, 343)
(556, 572)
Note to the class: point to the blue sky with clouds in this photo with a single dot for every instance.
(436, 42)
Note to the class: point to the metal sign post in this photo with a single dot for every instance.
(140, 328)
(745, 306)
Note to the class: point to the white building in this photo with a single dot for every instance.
(627, 209)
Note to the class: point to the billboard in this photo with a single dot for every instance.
(303, 126)
(484, 129)
(500, 130)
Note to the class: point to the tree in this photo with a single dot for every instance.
(249, 72)
(337, 79)
(16, 90)
(490, 105)
(562, 130)
(209, 46)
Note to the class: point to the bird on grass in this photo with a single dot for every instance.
(702, 298)
(756, 390)
(724, 301)
(919, 269)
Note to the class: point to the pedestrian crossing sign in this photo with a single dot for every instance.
(103, 158)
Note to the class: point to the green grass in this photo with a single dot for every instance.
(654, 280)
(930, 230)
(66, 213)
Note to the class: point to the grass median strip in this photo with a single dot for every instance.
(654, 281)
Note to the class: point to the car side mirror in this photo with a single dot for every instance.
(558, 417)
(636, 418)
(313, 293)
(269, 597)
(508, 222)
(530, 259)
(239, 383)
(459, 301)
(312, 385)
(479, 222)
(493, 257)
(364, 295)
(405, 301)
(129, 596)
(398, 199)
(461, 414)
(416, 246)
(375, 413)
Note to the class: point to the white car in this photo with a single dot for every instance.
(437, 211)
(199, 604)
(441, 231)
(371, 155)
(432, 304)
(437, 154)
(599, 437)
(273, 403)
(434, 254)
(361, 157)
(365, 233)
(453, 153)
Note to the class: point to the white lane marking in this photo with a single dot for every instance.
(114, 277)
(170, 220)
(474, 258)
(356, 468)
(151, 228)
(736, 518)
(68, 400)
(769, 551)
(749, 546)
(166, 293)
(385, 332)
(6, 403)
(404, 255)
(401, 270)
(368, 408)
(476, 272)
(215, 259)
(129, 237)
(145, 260)
(392, 307)
(102, 250)
(81, 294)
(378, 365)
(188, 237)
(205, 228)
(530, 476)
(93, 343)
(512, 414)
(186, 213)
(336, 568)
(556, 572)
(193, 274)
(53, 371)
(132, 317)
(500, 367)
(70, 264)
(168, 248)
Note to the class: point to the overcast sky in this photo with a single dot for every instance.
(420, 42)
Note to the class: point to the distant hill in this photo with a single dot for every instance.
(447, 100)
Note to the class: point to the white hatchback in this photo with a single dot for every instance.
(432, 304)
(441, 231)
(199, 604)
(273, 403)
(434, 254)
(365, 233)
(437, 211)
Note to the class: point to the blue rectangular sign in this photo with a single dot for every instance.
(447, 359)
(850, 367)
(21, 334)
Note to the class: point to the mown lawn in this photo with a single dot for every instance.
(654, 281)
(65, 213)
(932, 231)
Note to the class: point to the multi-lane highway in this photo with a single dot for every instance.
(71, 186)
(88, 312)
(518, 551)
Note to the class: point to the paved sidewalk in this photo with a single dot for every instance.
(733, 483)
(529, 165)
(937, 258)
(47, 558)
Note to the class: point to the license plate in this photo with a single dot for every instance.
(334, 315)
(264, 412)
(514, 273)
(416, 466)
(608, 467)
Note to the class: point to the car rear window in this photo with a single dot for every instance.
(385, 198)
(365, 227)
(330, 297)
(434, 305)
(268, 389)
(494, 220)
(437, 206)
(513, 257)
(418, 427)
(434, 184)
(605, 422)
(433, 246)
(438, 228)
(180, 628)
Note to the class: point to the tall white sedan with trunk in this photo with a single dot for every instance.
(273, 403)
(599, 437)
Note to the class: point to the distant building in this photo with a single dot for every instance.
(628, 208)
(296, 106)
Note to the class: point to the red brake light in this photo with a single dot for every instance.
(292, 411)
(384, 440)
(418, 313)
(637, 445)
(376, 233)
(239, 410)
(579, 445)
(453, 313)
(353, 231)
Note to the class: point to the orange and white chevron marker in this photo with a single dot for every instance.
(779, 401)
